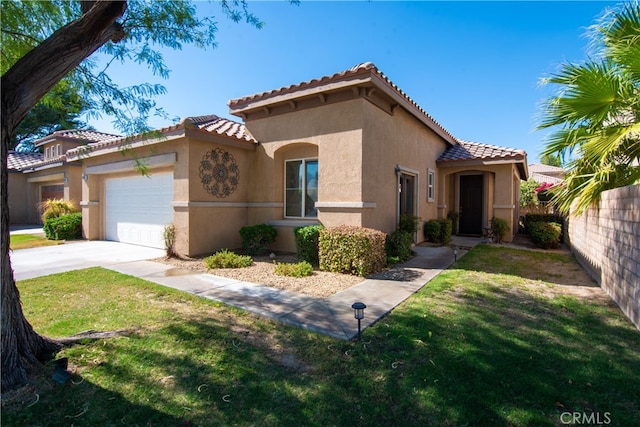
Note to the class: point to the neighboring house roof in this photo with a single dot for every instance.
(17, 161)
(360, 75)
(76, 135)
(545, 173)
(542, 178)
(209, 124)
(467, 152)
(546, 169)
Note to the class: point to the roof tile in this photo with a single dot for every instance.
(17, 161)
(81, 135)
(467, 150)
(221, 126)
(360, 69)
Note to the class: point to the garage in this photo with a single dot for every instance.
(137, 209)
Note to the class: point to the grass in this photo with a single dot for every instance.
(490, 342)
(26, 241)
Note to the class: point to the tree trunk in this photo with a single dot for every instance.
(23, 85)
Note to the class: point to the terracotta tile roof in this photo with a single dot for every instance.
(207, 124)
(364, 71)
(467, 150)
(221, 126)
(17, 161)
(80, 135)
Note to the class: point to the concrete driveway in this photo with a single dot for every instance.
(35, 262)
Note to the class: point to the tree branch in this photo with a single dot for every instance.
(40, 69)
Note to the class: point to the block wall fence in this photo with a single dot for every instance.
(606, 241)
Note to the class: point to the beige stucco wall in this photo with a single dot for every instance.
(390, 142)
(332, 134)
(209, 222)
(359, 147)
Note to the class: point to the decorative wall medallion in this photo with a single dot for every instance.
(219, 172)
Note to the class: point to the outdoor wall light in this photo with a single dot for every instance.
(358, 312)
(85, 177)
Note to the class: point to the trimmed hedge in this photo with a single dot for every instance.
(431, 230)
(353, 250)
(532, 217)
(65, 227)
(545, 235)
(398, 245)
(438, 231)
(307, 243)
(256, 238)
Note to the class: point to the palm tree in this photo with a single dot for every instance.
(597, 112)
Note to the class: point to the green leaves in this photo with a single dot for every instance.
(596, 113)
(148, 25)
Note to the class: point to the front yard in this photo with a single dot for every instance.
(505, 337)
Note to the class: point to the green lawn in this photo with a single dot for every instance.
(25, 241)
(491, 342)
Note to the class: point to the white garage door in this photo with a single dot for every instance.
(137, 209)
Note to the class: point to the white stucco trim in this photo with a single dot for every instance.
(87, 204)
(346, 205)
(188, 204)
(293, 222)
(129, 165)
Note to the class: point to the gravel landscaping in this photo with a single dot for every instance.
(321, 284)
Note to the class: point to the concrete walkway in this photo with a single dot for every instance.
(332, 316)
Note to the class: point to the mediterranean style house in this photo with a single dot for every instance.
(349, 148)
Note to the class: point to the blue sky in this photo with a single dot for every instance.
(475, 67)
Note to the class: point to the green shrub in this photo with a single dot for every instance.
(256, 238)
(227, 259)
(446, 227)
(499, 228)
(353, 250)
(545, 235)
(65, 227)
(530, 218)
(398, 245)
(408, 224)
(438, 231)
(454, 217)
(307, 243)
(300, 269)
(431, 230)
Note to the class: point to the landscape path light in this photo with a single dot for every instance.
(358, 313)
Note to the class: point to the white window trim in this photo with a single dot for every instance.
(58, 150)
(431, 186)
(46, 153)
(304, 160)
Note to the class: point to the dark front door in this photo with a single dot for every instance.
(407, 194)
(471, 192)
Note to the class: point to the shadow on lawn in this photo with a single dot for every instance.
(79, 402)
(507, 359)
